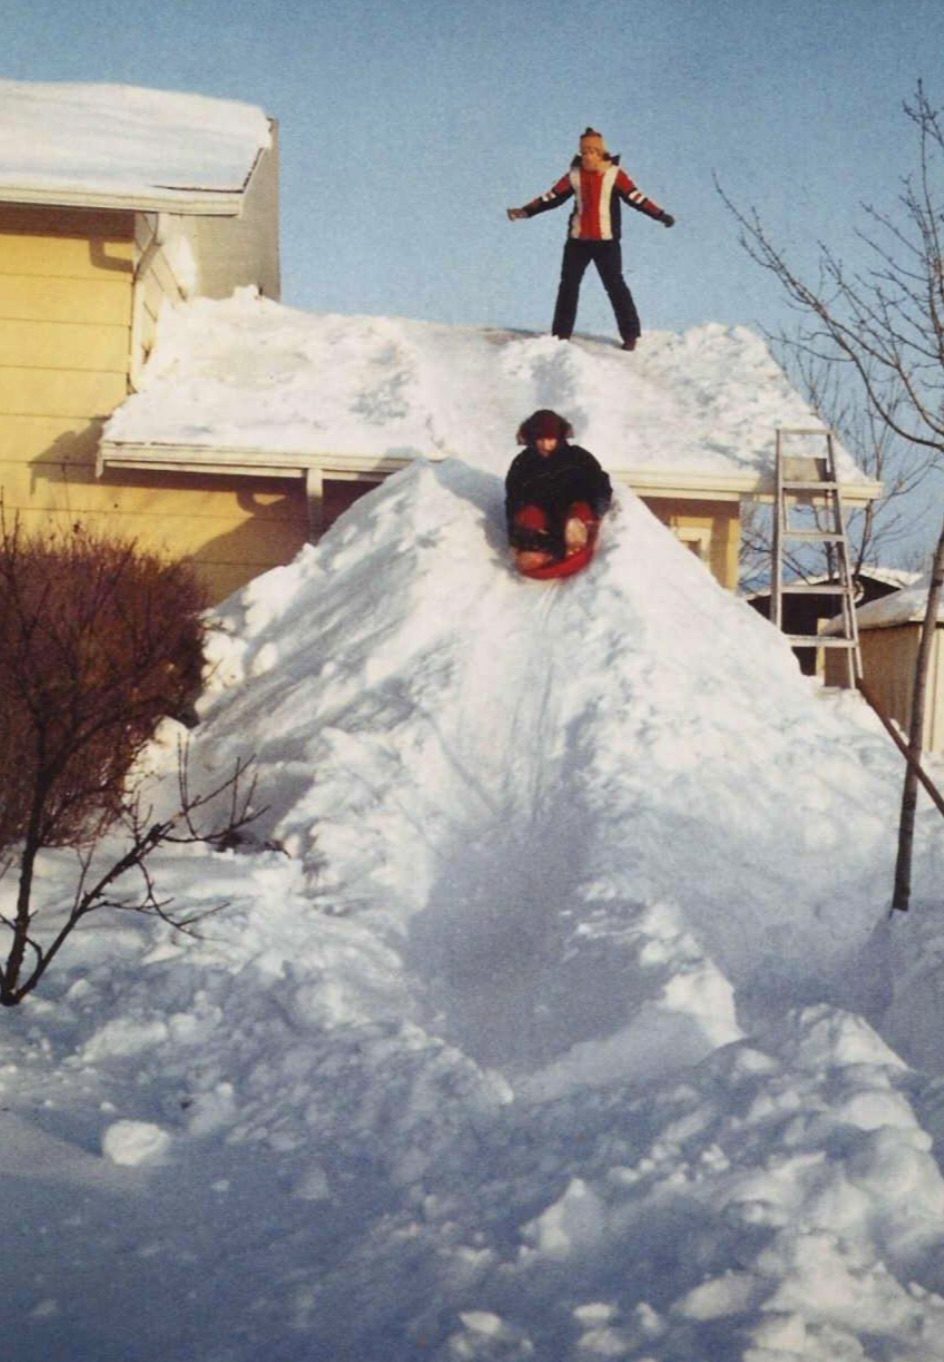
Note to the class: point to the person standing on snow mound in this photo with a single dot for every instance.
(598, 184)
(554, 493)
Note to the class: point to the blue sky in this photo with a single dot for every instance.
(408, 128)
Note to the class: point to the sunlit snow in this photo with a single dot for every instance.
(249, 374)
(556, 1012)
(123, 140)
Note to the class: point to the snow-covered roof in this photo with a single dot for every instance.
(121, 146)
(906, 606)
(896, 578)
(246, 383)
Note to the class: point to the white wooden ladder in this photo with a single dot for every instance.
(807, 483)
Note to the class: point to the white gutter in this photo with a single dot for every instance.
(257, 462)
(659, 482)
(240, 462)
(226, 203)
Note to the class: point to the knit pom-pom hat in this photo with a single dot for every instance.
(591, 138)
(544, 425)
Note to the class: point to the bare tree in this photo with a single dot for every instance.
(884, 325)
(98, 642)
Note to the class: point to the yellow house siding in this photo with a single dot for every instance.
(65, 307)
(69, 314)
(28, 441)
(58, 361)
(74, 243)
(60, 392)
(711, 528)
(65, 323)
(42, 299)
(231, 529)
(64, 346)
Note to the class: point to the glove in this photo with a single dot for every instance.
(515, 213)
(667, 220)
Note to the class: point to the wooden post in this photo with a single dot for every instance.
(314, 494)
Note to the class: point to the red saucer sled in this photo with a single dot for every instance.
(532, 517)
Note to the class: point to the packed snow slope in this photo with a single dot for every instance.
(471, 738)
(555, 1009)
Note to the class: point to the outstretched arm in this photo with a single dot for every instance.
(630, 193)
(555, 196)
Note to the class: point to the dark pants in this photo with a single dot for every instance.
(607, 257)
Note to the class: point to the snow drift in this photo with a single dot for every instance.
(556, 1009)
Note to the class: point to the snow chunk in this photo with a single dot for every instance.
(573, 1224)
(131, 1143)
(125, 1037)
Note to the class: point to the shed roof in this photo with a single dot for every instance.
(119, 146)
(907, 606)
(892, 578)
(247, 385)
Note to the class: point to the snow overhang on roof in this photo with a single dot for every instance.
(906, 607)
(245, 386)
(120, 147)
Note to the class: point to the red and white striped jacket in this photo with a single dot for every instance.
(596, 212)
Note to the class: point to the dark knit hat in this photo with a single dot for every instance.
(544, 425)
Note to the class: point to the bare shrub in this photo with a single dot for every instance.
(99, 640)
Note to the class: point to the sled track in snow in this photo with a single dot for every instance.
(512, 871)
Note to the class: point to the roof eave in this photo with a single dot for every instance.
(662, 482)
(240, 462)
(258, 462)
(226, 203)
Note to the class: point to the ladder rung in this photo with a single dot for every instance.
(811, 480)
(835, 536)
(817, 589)
(820, 641)
(810, 486)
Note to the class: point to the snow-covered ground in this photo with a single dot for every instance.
(556, 1012)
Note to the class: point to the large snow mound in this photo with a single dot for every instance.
(631, 735)
(546, 1017)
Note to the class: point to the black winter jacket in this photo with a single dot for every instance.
(554, 482)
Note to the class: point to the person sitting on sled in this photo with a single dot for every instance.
(555, 493)
(598, 185)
